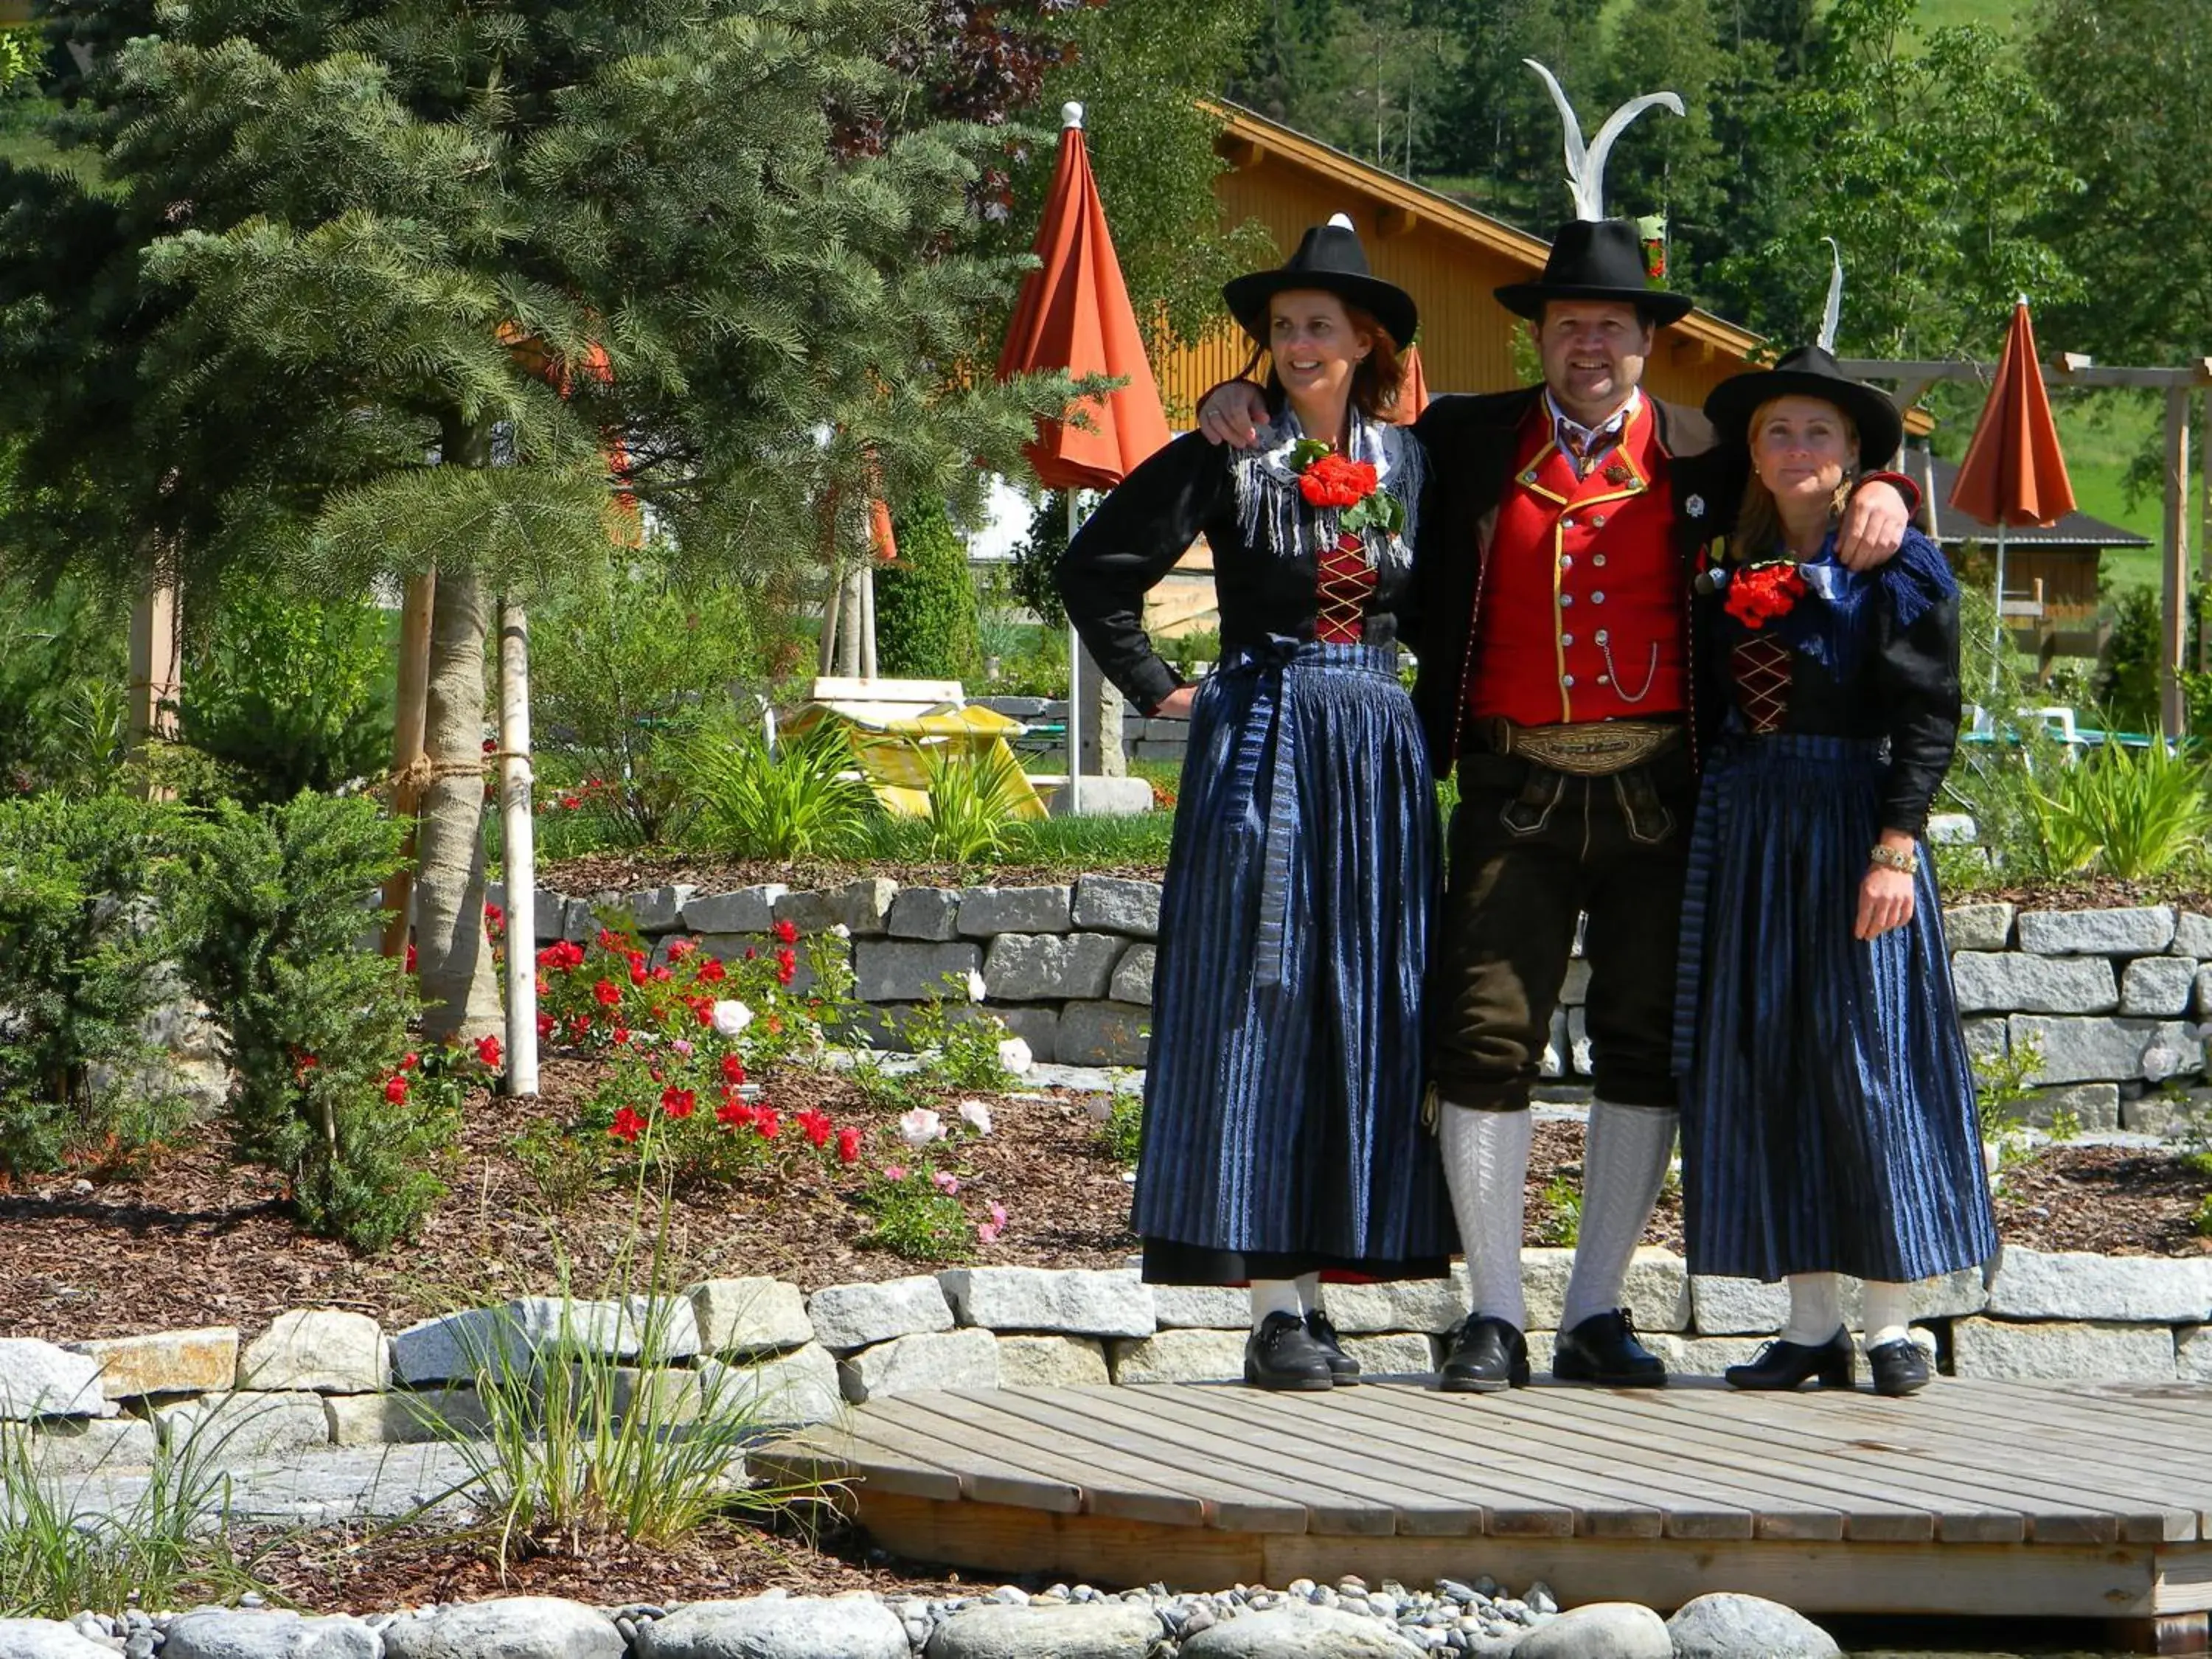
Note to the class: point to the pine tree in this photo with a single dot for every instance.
(388, 288)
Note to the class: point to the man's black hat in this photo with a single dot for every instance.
(1595, 259)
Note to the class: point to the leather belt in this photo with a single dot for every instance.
(1588, 749)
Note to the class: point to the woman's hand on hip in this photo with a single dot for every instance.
(1176, 706)
(1885, 902)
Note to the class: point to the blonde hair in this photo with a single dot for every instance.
(1758, 530)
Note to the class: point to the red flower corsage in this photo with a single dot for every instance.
(1758, 593)
(1328, 479)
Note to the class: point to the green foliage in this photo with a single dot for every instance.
(2133, 813)
(744, 800)
(317, 1025)
(925, 621)
(1123, 1135)
(958, 1042)
(2127, 671)
(63, 1553)
(85, 925)
(65, 681)
(1561, 1220)
(559, 1164)
(974, 795)
(288, 694)
(2200, 1220)
(627, 656)
(914, 1219)
(2003, 1081)
(1038, 555)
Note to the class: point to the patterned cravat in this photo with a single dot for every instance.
(1586, 446)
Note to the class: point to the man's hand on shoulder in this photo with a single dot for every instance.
(1232, 413)
(1874, 523)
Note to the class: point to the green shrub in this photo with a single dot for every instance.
(64, 685)
(1037, 557)
(626, 657)
(2127, 669)
(83, 932)
(288, 694)
(318, 1026)
(925, 612)
(746, 800)
(973, 797)
(1123, 1134)
(915, 1218)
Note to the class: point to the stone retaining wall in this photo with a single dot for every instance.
(323, 1376)
(2110, 996)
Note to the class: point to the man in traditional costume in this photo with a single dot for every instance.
(1553, 583)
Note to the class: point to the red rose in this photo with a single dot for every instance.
(609, 939)
(787, 965)
(814, 1126)
(1334, 480)
(627, 1125)
(488, 1051)
(787, 933)
(620, 1036)
(734, 1113)
(606, 993)
(711, 972)
(680, 948)
(848, 1145)
(677, 1102)
(409, 1060)
(395, 1090)
(546, 1026)
(733, 1070)
(766, 1122)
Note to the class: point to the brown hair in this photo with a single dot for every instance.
(1376, 379)
(1758, 530)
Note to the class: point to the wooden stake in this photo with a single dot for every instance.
(407, 746)
(154, 681)
(518, 863)
(2174, 624)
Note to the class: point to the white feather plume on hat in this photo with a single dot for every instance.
(1586, 164)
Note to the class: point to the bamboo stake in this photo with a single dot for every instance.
(408, 748)
(2174, 631)
(519, 865)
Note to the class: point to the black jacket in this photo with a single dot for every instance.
(1473, 443)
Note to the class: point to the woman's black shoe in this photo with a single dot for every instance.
(1280, 1355)
(1603, 1350)
(1343, 1368)
(1782, 1364)
(1898, 1367)
(1488, 1355)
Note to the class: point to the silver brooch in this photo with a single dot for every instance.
(1695, 507)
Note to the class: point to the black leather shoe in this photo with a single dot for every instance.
(1603, 1350)
(1343, 1368)
(1487, 1356)
(1782, 1364)
(1280, 1355)
(1898, 1367)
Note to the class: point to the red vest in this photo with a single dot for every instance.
(1582, 612)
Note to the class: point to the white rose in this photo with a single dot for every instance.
(974, 986)
(976, 1115)
(842, 930)
(920, 1126)
(1015, 1056)
(730, 1017)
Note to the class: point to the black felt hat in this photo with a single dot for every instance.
(1329, 259)
(1595, 259)
(1809, 372)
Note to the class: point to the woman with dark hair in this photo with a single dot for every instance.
(1283, 1140)
(1828, 1122)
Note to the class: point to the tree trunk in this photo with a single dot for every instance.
(407, 749)
(460, 993)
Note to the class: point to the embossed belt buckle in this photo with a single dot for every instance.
(1596, 750)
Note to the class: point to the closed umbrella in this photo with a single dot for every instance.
(2014, 474)
(1074, 315)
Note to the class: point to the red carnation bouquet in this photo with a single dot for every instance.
(1328, 479)
(1758, 593)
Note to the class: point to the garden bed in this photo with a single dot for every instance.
(199, 1240)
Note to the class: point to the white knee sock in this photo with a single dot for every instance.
(1273, 1295)
(1486, 1166)
(1816, 1309)
(1310, 1292)
(1888, 1312)
(1623, 1166)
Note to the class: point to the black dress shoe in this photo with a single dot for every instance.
(1603, 1350)
(1898, 1367)
(1782, 1364)
(1280, 1355)
(1488, 1355)
(1343, 1368)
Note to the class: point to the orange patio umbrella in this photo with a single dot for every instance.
(1413, 392)
(2014, 474)
(1074, 315)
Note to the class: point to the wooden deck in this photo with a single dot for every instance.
(2058, 1500)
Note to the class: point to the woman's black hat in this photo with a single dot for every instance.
(1595, 259)
(1329, 259)
(1809, 372)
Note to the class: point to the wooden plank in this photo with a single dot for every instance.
(2184, 1578)
(995, 1468)
(1329, 1507)
(1257, 1423)
(823, 1451)
(1081, 1548)
(1687, 1500)
(1433, 1497)
(1959, 1489)
(1872, 1505)
(1131, 1477)
(2182, 1448)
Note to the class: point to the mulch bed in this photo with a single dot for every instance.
(634, 870)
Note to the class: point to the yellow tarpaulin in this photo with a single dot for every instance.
(895, 739)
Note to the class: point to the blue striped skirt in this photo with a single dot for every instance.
(1283, 1127)
(1828, 1118)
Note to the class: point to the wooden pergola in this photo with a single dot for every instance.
(2180, 385)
